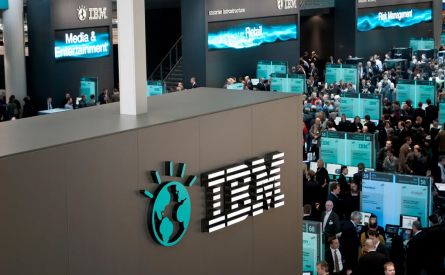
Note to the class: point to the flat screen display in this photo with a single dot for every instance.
(333, 169)
(81, 43)
(351, 171)
(313, 166)
(406, 222)
(392, 229)
(393, 16)
(249, 33)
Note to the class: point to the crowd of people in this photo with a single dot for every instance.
(12, 109)
(405, 144)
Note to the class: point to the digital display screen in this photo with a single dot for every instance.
(393, 16)
(406, 222)
(333, 169)
(392, 229)
(155, 88)
(248, 33)
(440, 186)
(82, 43)
(351, 171)
(313, 166)
(365, 218)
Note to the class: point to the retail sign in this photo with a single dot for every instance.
(4, 4)
(240, 190)
(91, 13)
(82, 43)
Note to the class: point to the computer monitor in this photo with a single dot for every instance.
(406, 222)
(351, 171)
(406, 234)
(369, 169)
(77, 100)
(392, 230)
(255, 81)
(307, 273)
(333, 169)
(365, 218)
(313, 166)
(440, 186)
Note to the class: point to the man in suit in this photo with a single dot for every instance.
(193, 82)
(333, 257)
(260, 86)
(82, 103)
(359, 175)
(404, 151)
(92, 101)
(307, 210)
(371, 125)
(322, 268)
(371, 263)
(402, 132)
(311, 190)
(361, 70)
(330, 222)
(438, 171)
(433, 144)
(415, 250)
(419, 111)
(115, 97)
(313, 70)
(344, 186)
(431, 112)
(248, 83)
(435, 247)
(350, 241)
(49, 104)
(378, 246)
(333, 196)
(440, 139)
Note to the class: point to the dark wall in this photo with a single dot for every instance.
(163, 29)
(317, 34)
(345, 28)
(212, 68)
(50, 78)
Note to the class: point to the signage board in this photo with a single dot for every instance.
(249, 33)
(337, 72)
(288, 83)
(266, 68)
(422, 43)
(416, 90)
(355, 104)
(347, 149)
(390, 195)
(81, 43)
(442, 111)
(312, 245)
(155, 88)
(393, 16)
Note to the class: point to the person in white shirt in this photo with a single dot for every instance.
(378, 62)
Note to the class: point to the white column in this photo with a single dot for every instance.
(14, 46)
(132, 61)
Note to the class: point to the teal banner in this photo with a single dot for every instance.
(4, 4)
(354, 104)
(288, 83)
(422, 43)
(388, 196)
(442, 111)
(266, 68)
(312, 245)
(155, 88)
(416, 90)
(347, 148)
(337, 72)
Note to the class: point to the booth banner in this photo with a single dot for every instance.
(312, 245)
(422, 43)
(442, 111)
(155, 88)
(393, 16)
(266, 68)
(288, 83)
(416, 90)
(4, 4)
(337, 72)
(347, 149)
(82, 43)
(390, 195)
(355, 104)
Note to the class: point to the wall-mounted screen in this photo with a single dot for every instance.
(422, 43)
(393, 16)
(248, 33)
(82, 43)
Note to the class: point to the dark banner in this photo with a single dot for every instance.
(393, 16)
(248, 33)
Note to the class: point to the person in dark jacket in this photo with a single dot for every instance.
(344, 125)
(415, 250)
(311, 190)
(82, 102)
(28, 108)
(350, 241)
(397, 254)
(322, 177)
(435, 247)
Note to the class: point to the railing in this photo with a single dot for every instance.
(168, 63)
(316, 4)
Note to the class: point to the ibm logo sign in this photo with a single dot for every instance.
(241, 190)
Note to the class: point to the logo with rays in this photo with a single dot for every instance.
(161, 222)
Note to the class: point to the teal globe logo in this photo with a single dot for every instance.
(169, 210)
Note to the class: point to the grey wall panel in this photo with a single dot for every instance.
(103, 208)
(33, 234)
(180, 144)
(277, 125)
(225, 138)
